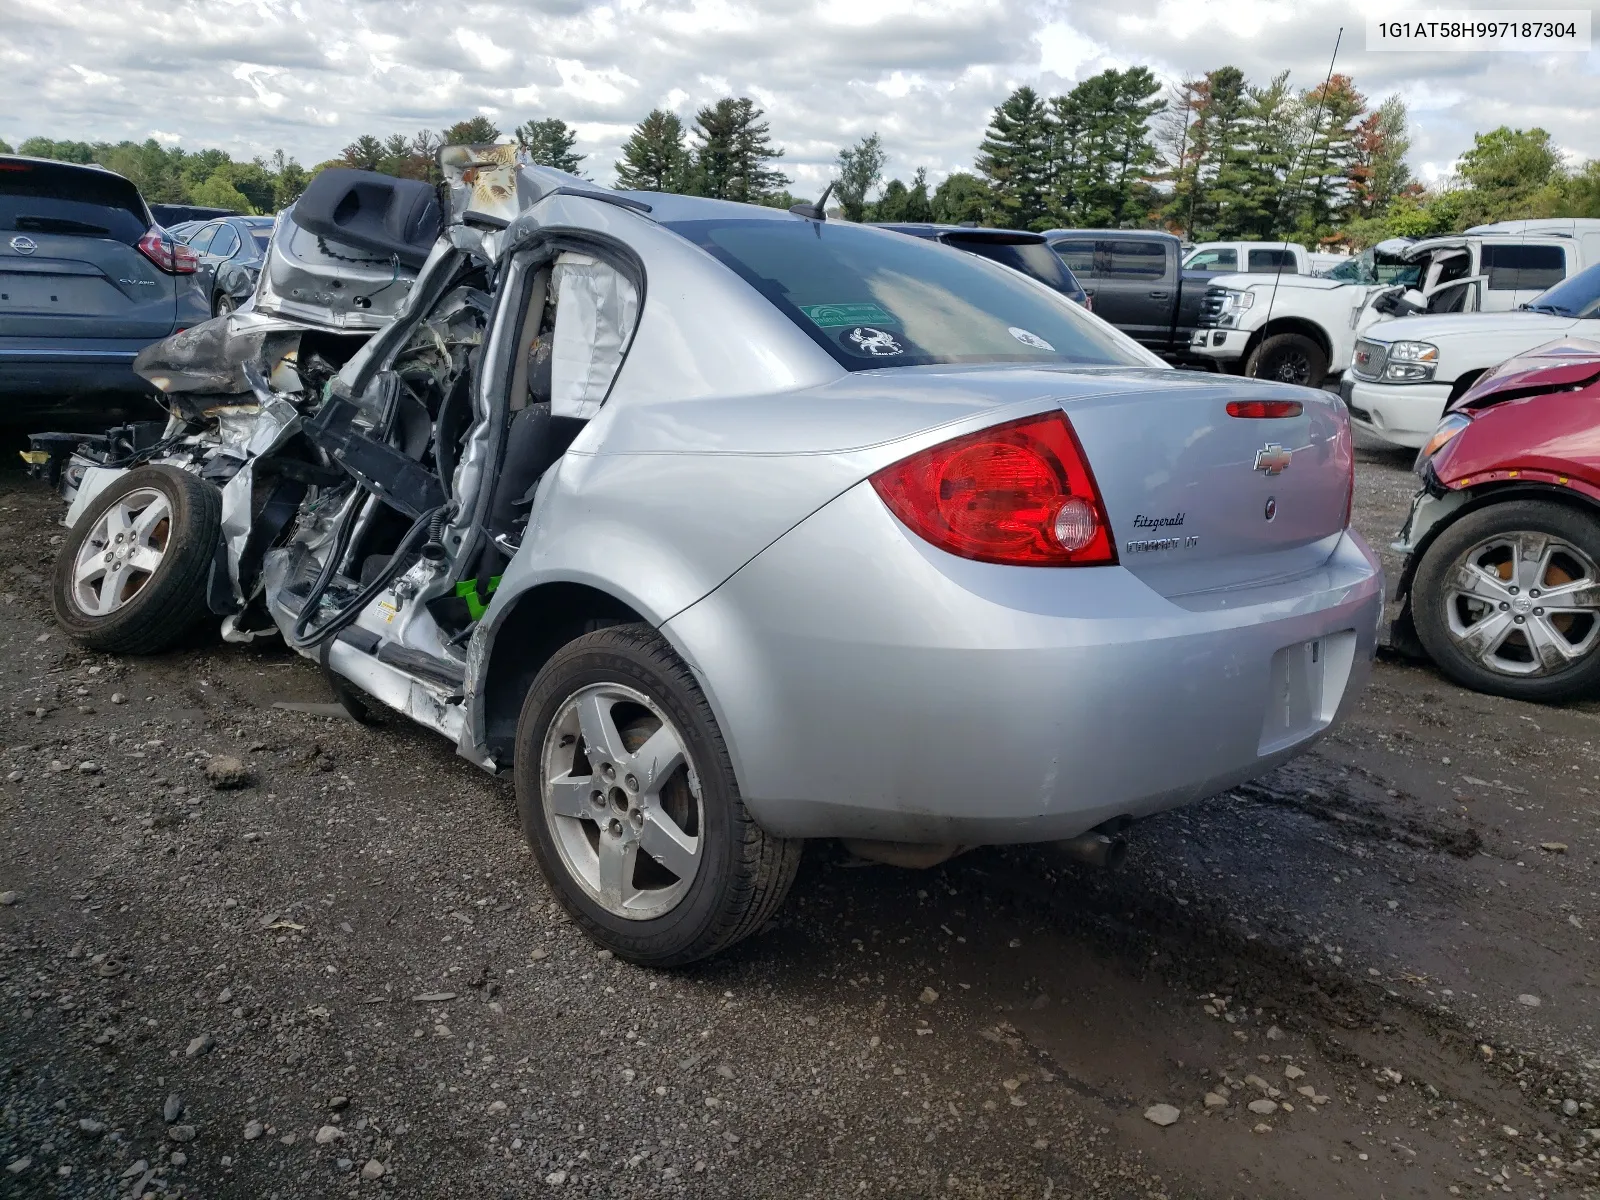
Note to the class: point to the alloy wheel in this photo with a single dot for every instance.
(1524, 604)
(123, 550)
(622, 801)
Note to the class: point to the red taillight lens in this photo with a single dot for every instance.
(1265, 408)
(1020, 494)
(168, 254)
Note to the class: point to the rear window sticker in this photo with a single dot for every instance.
(833, 316)
(874, 343)
(1029, 338)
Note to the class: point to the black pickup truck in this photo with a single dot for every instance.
(1138, 283)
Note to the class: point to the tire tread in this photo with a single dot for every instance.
(765, 866)
(178, 598)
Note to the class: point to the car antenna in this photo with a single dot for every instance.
(1316, 123)
(814, 212)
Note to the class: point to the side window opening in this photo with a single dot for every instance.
(1281, 261)
(581, 314)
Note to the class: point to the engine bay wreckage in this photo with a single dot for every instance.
(336, 467)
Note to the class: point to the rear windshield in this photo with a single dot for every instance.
(53, 199)
(876, 299)
(1035, 259)
(261, 236)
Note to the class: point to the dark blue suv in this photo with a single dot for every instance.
(1018, 249)
(87, 280)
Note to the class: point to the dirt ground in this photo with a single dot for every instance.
(1371, 974)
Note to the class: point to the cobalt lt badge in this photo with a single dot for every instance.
(1273, 459)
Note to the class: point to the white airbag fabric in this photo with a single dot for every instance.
(596, 308)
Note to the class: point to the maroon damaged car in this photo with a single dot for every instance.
(1501, 580)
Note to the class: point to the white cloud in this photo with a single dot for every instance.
(311, 75)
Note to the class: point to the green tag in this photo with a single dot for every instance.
(467, 589)
(831, 316)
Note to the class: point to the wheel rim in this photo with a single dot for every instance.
(616, 780)
(1290, 366)
(123, 550)
(1524, 604)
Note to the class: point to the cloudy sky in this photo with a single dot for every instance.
(310, 75)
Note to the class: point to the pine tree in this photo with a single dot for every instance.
(1209, 202)
(478, 131)
(654, 158)
(860, 169)
(1101, 149)
(1320, 195)
(1014, 158)
(732, 151)
(364, 154)
(549, 143)
(1271, 125)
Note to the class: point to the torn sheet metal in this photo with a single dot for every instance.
(210, 357)
(485, 180)
(596, 309)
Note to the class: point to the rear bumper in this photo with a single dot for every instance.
(1400, 414)
(871, 686)
(48, 371)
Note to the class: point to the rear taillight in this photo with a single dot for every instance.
(1020, 494)
(168, 254)
(1265, 408)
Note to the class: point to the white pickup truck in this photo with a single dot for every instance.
(1303, 329)
(1406, 373)
(1251, 258)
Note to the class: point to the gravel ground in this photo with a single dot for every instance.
(1372, 973)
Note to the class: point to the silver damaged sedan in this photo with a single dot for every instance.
(722, 528)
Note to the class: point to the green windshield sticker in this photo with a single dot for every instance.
(832, 316)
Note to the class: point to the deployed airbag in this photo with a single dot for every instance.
(596, 309)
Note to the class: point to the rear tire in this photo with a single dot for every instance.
(1481, 573)
(132, 575)
(1288, 358)
(655, 856)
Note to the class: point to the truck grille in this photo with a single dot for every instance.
(1368, 359)
(1211, 307)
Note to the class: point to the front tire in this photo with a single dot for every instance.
(1507, 601)
(132, 575)
(222, 305)
(629, 801)
(1288, 358)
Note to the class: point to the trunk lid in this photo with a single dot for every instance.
(1200, 500)
(69, 262)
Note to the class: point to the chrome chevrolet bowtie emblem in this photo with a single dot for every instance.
(24, 245)
(1273, 459)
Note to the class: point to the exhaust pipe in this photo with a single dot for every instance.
(1096, 849)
